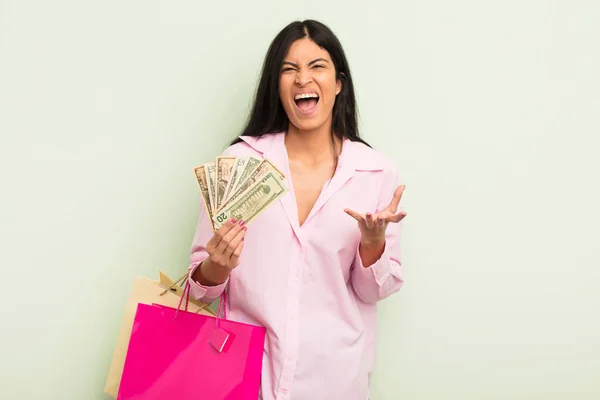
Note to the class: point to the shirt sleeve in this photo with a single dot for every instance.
(204, 232)
(384, 277)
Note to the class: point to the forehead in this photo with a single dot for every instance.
(305, 50)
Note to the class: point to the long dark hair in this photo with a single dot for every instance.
(268, 116)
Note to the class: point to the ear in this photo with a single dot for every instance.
(338, 84)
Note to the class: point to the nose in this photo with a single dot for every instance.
(303, 77)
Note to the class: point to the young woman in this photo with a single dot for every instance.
(312, 267)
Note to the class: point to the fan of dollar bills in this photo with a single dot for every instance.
(240, 187)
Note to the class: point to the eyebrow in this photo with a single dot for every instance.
(310, 63)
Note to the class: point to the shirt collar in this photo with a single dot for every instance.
(354, 154)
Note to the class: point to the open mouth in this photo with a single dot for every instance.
(306, 102)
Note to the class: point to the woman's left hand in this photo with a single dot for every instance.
(373, 225)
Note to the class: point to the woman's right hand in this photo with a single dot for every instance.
(224, 250)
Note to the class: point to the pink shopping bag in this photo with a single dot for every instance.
(176, 354)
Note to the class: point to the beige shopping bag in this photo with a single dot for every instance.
(166, 292)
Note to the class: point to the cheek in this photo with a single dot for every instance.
(284, 88)
(328, 86)
(284, 96)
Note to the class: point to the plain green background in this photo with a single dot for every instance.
(489, 108)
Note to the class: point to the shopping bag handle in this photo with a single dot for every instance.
(177, 282)
(172, 287)
(222, 302)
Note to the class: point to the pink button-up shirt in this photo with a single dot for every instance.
(306, 284)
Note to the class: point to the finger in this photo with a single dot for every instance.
(393, 207)
(370, 221)
(233, 244)
(221, 232)
(354, 215)
(235, 256)
(380, 222)
(396, 217)
(222, 247)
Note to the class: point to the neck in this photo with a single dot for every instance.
(315, 145)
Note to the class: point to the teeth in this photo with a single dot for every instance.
(306, 96)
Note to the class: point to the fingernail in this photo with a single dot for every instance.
(233, 220)
(368, 215)
(242, 222)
